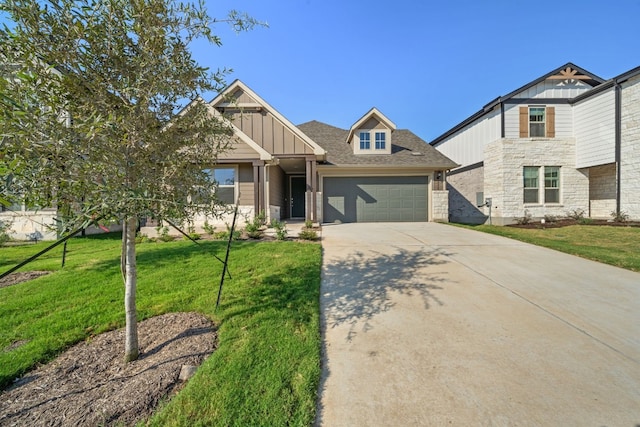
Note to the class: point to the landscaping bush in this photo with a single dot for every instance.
(621, 216)
(525, 219)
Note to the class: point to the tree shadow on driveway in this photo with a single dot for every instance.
(357, 288)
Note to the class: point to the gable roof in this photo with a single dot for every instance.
(407, 149)
(222, 100)
(589, 78)
(373, 112)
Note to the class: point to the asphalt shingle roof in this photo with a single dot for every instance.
(407, 149)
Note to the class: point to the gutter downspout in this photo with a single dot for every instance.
(618, 142)
(502, 120)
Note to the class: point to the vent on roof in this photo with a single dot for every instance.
(416, 153)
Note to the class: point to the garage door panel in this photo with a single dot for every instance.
(375, 199)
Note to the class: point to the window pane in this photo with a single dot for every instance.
(536, 114)
(531, 195)
(225, 195)
(552, 184)
(552, 196)
(380, 140)
(530, 175)
(536, 130)
(365, 141)
(224, 176)
(537, 121)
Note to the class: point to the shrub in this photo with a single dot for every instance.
(5, 226)
(585, 221)
(308, 234)
(260, 219)
(254, 228)
(208, 228)
(550, 218)
(280, 227)
(576, 214)
(163, 234)
(143, 238)
(525, 219)
(308, 224)
(621, 216)
(224, 235)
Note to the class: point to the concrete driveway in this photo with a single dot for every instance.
(429, 324)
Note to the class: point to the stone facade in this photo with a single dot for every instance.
(440, 206)
(630, 149)
(463, 186)
(602, 190)
(504, 163)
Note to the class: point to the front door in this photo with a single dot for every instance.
(298, 189)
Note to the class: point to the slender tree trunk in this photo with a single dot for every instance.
(131, 328)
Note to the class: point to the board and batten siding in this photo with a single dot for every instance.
(466, 146)
(554, 89)
(270, 133)
(563, 120)
(594, 121)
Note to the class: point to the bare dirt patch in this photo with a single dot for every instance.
(90, 385)
(21, 276)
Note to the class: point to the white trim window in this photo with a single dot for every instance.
(531, 184)
(226, 180)
(365, 141)
(552, 184)
(381, 141)
(537, 122)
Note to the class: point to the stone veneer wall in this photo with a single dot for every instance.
(602, 190)
(503, 164)
(630, 149)
(440, 206)
(31, 225)
(463, 187)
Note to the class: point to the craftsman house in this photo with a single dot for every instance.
(317, 172)
(566, 141)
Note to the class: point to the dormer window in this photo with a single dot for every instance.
(371, 134)
(365, 141)
(381, 141)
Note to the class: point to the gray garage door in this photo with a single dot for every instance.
(375, 199)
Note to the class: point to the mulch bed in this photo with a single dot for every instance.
(21, 276)
(90, 385)
(566, 222)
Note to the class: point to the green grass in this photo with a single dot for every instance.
(619, 246)
(267, 365)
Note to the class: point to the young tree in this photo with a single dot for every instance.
(88, 104)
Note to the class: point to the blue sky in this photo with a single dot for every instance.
(427, 65)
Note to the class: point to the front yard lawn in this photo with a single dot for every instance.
(267, 365)
(619, 246)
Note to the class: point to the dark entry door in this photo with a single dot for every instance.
(298, 191)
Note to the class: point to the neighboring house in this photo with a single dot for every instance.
(371, 172)
(566, 141)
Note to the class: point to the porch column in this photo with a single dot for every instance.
(309, 191)
(314, 191)
(258, 186)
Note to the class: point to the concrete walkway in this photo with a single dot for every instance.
(429, 324)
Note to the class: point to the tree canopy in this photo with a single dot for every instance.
(90, 111)
(89, 101)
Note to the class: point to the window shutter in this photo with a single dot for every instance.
(551, 122)
(524, 122)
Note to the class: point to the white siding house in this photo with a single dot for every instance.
(567, 141)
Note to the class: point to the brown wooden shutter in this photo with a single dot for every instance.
(551, 122)
(524, 122)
